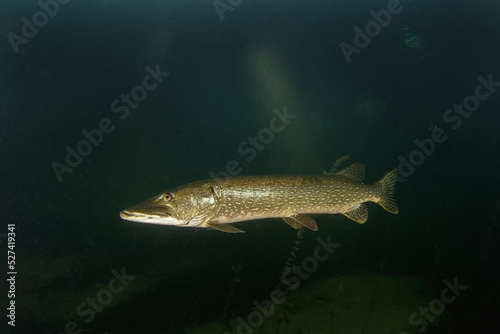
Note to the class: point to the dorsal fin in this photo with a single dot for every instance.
(355, 172)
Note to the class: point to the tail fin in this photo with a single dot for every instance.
(387, 184)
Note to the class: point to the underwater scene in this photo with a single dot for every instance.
(250, 166)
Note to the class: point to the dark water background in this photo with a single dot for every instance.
(225, 78)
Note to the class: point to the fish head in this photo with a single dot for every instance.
(183, 206)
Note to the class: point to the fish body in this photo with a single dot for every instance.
(216, 203)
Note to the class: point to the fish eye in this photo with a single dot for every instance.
(168, 197)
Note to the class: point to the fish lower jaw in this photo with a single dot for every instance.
(150, 219)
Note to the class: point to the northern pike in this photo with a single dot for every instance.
(216, 203)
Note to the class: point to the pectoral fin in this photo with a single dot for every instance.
(359, 215)
(225, 228)
(296, 221)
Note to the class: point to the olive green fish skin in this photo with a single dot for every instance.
(248, 198)
(216, 203)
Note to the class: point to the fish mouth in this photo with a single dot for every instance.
(160, 218)
(131, 215)
(127, 215)
(134, 216)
